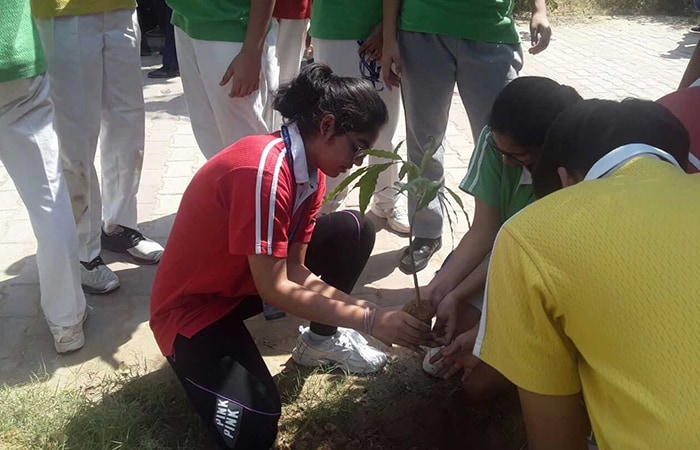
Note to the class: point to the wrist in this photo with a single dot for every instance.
(368, 319)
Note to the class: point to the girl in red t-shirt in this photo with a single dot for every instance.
(247, 231)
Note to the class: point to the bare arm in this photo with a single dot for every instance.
(554, 422)
(692, 72)
(389, 325)
(244, 69)
(300, 274)
(540, 31)
(470, 252)
(391, 57)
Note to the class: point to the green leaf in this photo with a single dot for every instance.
(444, 202)
(459, 201)
(429, 192)
(368, 184)
(345, 183)
(383, 154)
(398, 146)
(428, 155)
(408, 168)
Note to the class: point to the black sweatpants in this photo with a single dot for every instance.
(221, 368)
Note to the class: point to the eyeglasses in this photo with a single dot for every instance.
(359, 151)
(515, 157)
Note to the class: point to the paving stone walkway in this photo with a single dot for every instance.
(601, 57)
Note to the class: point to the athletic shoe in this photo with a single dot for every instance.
(97, 278)
(130, 241)
(695, 29)
(423, 250)
(68, 339)
(346, 349)
(396, 218)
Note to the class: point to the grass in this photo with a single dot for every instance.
(398, 408)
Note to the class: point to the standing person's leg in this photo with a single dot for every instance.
(122, 139)
(233, 118)
(73, 48)
(483, 69)
(229, 385)
(170, 67)
(338, 252)
(29, 152)
(427, 84)
(342, 57)
(291, 44)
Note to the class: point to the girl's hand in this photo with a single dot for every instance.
(372, 46)
(244, 74)
(394, 326)
(391, 64)
(457, 356)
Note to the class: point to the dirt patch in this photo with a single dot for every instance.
(400, 408)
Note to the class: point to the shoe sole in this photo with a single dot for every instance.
(146, 262)
(91, 290)
(419, 267)
(331, 365)
(70, 347)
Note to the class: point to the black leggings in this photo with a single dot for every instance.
(221, 368)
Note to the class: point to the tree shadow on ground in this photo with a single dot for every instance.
(399, 408)
(685, 47)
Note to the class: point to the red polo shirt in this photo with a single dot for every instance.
(292, 9)
(240, 203)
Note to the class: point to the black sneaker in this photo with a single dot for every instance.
(695, 29)
(423, 250)
(132, 242)
(164, 73)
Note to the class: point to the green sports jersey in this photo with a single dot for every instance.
(344, 19)
(212, 20)
(495, 183)
(479, 20)
(21, 55)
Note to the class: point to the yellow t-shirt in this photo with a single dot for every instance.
(596, 288)
(43, 9)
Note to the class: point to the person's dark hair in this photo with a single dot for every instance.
(587, 131)
(317, 91)
(527, 106)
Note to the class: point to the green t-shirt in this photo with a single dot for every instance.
(497, 184)
(212, 20)
(478, 20)
(43, 9)
(344, 19)
(21, 55)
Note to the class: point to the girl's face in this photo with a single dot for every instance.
(338, 153)
(512, 153)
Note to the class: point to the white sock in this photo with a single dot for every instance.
(314, 337)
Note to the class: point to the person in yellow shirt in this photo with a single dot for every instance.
(592, 291)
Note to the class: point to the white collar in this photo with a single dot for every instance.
(525, 176)
(301, 168)
(613, 160)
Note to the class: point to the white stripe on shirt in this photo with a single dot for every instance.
(273, 200)
(258, 195)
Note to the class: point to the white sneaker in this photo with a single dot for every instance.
(131, 241)
(68, 339)
(396, 218)
(346, 349)
(97, 278)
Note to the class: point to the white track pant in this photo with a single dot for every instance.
(342, 57)
(29, 152)
(96, 87)
(217, 120)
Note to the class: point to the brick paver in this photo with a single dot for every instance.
(605, 57)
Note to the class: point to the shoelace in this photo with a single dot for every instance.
(93, 264)
(132, 235)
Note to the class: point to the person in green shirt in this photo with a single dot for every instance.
(429, 45)
(29, 153)
(222, 48)
(347, 35)
(500, 181)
